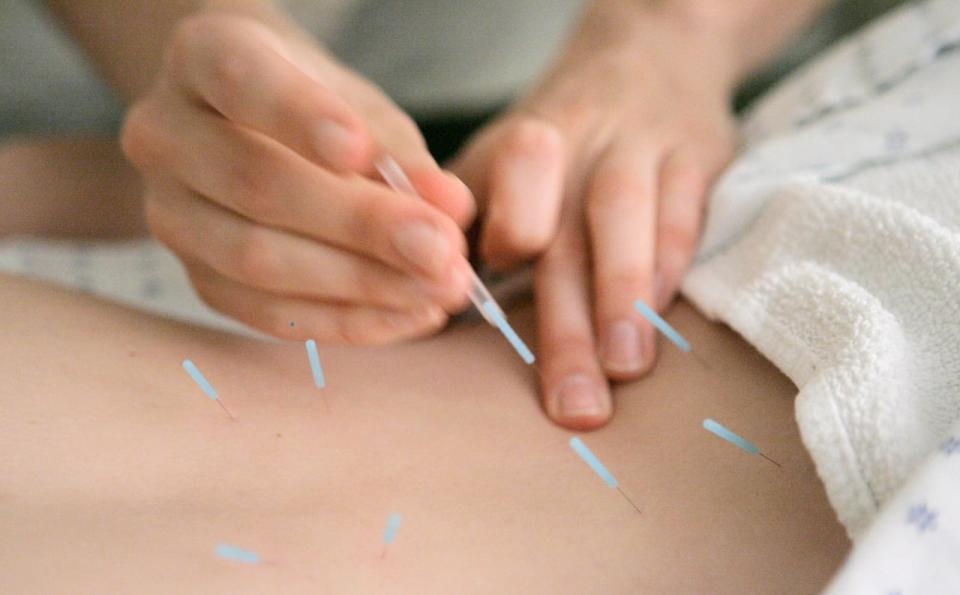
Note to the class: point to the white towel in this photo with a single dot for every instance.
(833, 246)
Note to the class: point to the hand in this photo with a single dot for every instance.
(602, 171)
(257, 150)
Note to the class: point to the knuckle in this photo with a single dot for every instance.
(251, 185)
(616, 189)
(352, 330)
(407, 125)
(604, 202)
(256, 260)
(535, 137)
(568, 250)
(228, 74)
(519, 240)
(675, 242)
(270, 322)
(403, 126)
(623, 281)
(435, 324)
(366, 283)
(365, 220)
(687, 179)
(182, 41)
(158, 220)
(570, 350)
(139, 137)
(205, 290)
(191, 34)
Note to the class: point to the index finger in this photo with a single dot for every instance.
(239, 68)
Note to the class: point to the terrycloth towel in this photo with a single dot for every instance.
(833, 246)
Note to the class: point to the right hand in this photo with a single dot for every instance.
(257, 153)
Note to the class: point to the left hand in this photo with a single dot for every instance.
(602, 171)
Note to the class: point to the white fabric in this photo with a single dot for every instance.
(914, 545)
(141, 274)
(833, 246)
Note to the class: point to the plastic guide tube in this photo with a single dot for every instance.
(232, 552)
(662, 325)
(591, 459)
(392, 174)
(199, 378)
(731, 437)
(515, 341)
(204, 385)
(393, 525)
(314, 358)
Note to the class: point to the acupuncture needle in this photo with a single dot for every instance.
(205, 385)
(390, 534)
(668, 331)
(480, 296)
(236, 554)
(600, 469)
(733, 438)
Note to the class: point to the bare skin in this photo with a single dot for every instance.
(118, 475)
(68, 187)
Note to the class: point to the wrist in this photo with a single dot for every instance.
(672, 32)
(731, 38)
(750, 32)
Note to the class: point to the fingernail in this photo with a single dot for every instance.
(429, 315)
(333, 142)
(577, 397)
(423, 246)
(622, 349)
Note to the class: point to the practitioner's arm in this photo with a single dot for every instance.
(76, 187)
(126, 38)
(257, 151)
(603, 168)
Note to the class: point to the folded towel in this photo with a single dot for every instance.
(833, 246)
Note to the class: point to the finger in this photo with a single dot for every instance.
(252, 176)
(281, 263)
(683, 186)
(526, 170)
(446, 192)
(471, 164)
(621, 211)
(576, 394)
(327, 322)
(238, 68)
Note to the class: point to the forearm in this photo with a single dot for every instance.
(739, 35)
(79, 187)
(125, 38)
